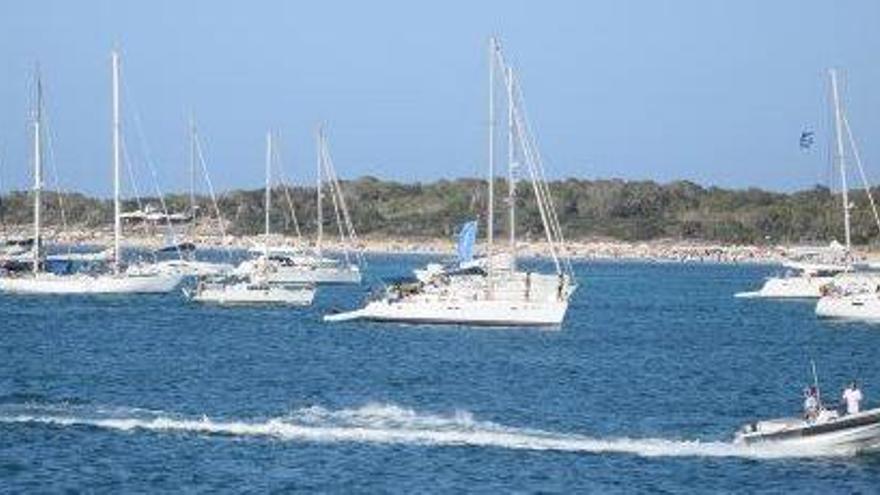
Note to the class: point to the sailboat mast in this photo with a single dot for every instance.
(192, 167)
(511, 173)
(319, 145)
(38, 173)
(268, 191)
(838, 126)
(490, 221)
(117, 219)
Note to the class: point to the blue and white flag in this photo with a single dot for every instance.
(467, 237)
(806, 140)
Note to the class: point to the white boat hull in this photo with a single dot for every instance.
(847, 435)
(244, 293)
(47, 283)
(860, 306)
(192, 268)
(304, 273)
(317, 275)
(799, 287)
(485, 313)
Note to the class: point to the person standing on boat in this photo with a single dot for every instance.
(811, 403)
(852, 396)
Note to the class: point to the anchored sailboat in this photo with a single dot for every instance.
(812, 278)
(134, 279)
(493, 290)
(293, 265)
(253, 282)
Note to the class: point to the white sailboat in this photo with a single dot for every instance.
(494, 291)
(295, 265)
(136, 279)
(811, 280)
(855, 295)
(253, 283)
(186, 262)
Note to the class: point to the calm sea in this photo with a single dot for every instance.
(641, 390)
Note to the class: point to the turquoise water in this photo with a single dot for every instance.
(641, 390)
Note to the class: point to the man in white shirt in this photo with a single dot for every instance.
(852, 396)
(811, 404)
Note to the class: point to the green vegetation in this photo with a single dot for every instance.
(625, 210)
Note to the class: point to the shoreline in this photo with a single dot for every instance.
(662, 250)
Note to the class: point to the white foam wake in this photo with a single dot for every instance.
(388, 424)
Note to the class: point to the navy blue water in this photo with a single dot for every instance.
(641, 390)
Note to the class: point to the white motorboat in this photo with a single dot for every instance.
(493, 290)
(245, 292)
(830, 432)
(821, 429)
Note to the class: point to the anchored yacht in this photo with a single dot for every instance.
(495, 291)
(121, 280)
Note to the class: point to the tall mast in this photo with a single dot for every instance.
(511, 177)
(192, 167)
(268, 191)
(117, 219)
(319, 146)
(838, 127)
(38, 172)
(490, 221)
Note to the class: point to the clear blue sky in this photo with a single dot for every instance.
(712, 91)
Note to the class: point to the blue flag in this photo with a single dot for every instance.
(467, 237)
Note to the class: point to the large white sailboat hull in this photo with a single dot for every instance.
(864, 306)
(484, 313)
(796, 287)
(46, 283)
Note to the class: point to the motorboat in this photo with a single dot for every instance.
(829, 432)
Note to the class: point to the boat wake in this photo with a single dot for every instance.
(383, 424)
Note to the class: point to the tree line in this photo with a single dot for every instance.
(617, 209)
